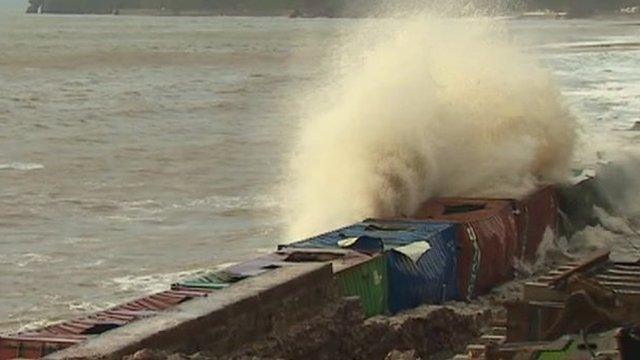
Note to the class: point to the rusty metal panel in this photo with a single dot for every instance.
(487, 239)
(29, 346)
(537, 212)
(120, 315)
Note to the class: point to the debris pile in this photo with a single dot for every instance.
(585, 309)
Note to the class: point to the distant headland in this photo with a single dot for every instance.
(311, 8)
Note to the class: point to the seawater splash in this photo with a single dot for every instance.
(425, 107)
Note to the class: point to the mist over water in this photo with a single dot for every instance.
(426, 107)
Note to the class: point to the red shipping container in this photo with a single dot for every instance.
(33, 346)
(536, 212)
(38, 343)
(487, 239)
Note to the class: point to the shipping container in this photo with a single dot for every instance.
(487, 238)
(536, 213)
(357, 274)
(365, 277)
(421, 257)
(30, 346)
(103, 321)
(216, 280)
(577, 199)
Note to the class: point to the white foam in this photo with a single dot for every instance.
(21, 166)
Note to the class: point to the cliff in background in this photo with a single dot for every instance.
(327, 8)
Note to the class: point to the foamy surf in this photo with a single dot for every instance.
(21, 166)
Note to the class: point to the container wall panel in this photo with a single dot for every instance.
(487, 237)
(34, 347)
(369, 282)
(537, 212)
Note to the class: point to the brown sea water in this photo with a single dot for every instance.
(138, 150)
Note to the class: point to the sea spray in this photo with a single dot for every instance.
(425, 107)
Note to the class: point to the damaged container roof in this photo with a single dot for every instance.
(421, 257)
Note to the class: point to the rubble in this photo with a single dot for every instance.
(579, 310)
(341, 332)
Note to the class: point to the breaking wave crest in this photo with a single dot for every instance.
(425, 107)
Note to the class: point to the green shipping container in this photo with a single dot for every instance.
(563, 354)
(368, 281)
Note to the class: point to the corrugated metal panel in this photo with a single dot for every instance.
(163, 300)
(429, 278)
(487, 240)
(212, 281)
(34, 346)
(120, 315)
(369, 282)
(392, 233)
(536, 212)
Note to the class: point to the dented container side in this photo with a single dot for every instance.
(537, 214)
(367, 280)
(34, 346)
(487, 237)
(407, 289)
(431, 279)
(497, 239)
(486, 251)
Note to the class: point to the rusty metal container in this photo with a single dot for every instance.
(487, 240)
(34, 346)
(537, 213)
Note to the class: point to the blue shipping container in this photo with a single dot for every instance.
(421, 257)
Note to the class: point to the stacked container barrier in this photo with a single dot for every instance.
(451, 249)
(37, 343)
(420, 257)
